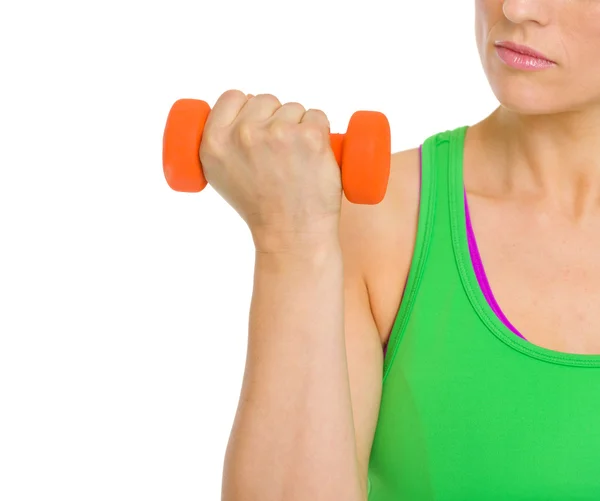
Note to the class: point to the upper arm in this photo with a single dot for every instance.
(364, 352)
(364, 347)
(377, 243)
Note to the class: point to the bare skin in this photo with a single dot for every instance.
(532, 175)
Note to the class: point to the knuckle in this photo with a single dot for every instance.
(247, 134)
(314, 136)
(233, 93)
(318, 112)
(320, 115)
(280, 131)
(213, 143)
(294, 104)
(268, 98)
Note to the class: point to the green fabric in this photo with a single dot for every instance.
(469, 410)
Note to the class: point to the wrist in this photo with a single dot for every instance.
(310, 240)
(301, 259)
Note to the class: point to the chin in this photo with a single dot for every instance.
(529, 93)
(525, 98)
(525, 93)
(538, 92)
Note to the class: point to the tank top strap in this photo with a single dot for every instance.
(433, 256)
(442, 188)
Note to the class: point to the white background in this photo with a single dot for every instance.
(123, 304)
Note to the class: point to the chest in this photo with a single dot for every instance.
(483, 423)
(544, 274)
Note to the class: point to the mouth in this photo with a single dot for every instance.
(524, 50)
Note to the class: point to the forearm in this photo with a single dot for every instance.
(293, 435)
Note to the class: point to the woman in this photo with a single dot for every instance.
(380, 365)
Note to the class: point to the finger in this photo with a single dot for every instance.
(290, 112)
(316, 117)
(318, 123)
(259, 108)
(226, 109)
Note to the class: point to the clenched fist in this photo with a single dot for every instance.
(274, 165)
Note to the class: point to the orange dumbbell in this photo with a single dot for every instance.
(363, 153)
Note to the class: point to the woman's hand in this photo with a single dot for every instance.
(274, 165)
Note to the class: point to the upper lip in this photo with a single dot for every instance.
(522, 49)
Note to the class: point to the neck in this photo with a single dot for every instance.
(555, 158)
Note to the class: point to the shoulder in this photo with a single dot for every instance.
(378, 240)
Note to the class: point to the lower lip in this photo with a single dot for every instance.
(521, 61)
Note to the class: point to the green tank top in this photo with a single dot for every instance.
(469, 410)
